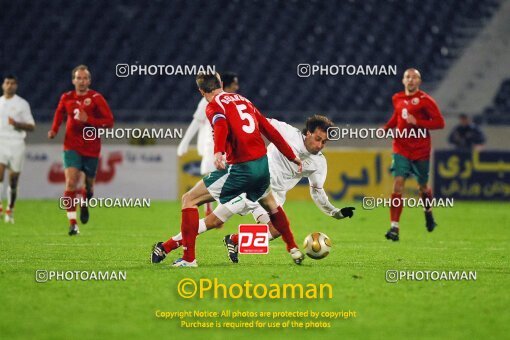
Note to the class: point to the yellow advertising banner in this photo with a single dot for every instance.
(352, 174)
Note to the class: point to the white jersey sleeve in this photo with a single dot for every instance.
(26, 113)
(205, 142)
(198, 118)
(287, 131)
(18, 109)
(317, 191)
(200, 111)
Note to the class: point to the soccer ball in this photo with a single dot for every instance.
(317, 245)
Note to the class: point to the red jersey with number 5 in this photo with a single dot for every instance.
(424, 108)
(99, 116)
(238, 128)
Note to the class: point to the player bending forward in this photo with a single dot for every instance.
(200, 124)
(238, 127)
(307, 144)
(413, 109)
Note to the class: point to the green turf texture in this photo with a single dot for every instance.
(470, 236)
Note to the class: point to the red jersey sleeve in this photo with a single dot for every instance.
(60, 112)
(436, 120)
(274, 136)
(392, 123)
(216, 116)
(106, 120)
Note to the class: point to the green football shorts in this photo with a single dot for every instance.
(250, 177)
(73, 159)
(403, 166)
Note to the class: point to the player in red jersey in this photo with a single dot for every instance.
(84, 109)
(238, 128)
(413, 109)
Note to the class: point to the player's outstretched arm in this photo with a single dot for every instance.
(191, 131)
(320, 197)
(199, 116)
(321, 200)
(276, 138)
(57, 118)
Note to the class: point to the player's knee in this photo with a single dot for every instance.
(185, 199)
(398, 185)
(71, 184)
(213, 222)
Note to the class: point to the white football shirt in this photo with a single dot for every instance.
(18, 109)
(284, 173)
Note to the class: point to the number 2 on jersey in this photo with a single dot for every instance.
(246, 116)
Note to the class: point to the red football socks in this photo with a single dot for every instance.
(189, 230)
(171, 245)
(396, 207)
(71, 207)
(281, 223)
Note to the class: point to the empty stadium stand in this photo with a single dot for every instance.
(499, 111)
(263, 41)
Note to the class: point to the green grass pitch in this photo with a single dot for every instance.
(470, 236)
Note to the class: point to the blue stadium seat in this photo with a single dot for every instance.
(263, 41)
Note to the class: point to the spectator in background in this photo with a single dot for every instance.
(466, 136)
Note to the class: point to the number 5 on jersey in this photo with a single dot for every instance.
(246, 116)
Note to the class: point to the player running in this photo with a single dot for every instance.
(84, 109)
(308, 144)
(200, 124)
(238, 128)
(15, 120)
(413, 109)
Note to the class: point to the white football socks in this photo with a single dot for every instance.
(201, 229)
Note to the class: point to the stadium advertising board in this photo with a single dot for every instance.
(123, 171)
(472, 176)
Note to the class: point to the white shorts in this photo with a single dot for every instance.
(12, 154)
(245, 206)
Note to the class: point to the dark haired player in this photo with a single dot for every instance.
(84, 108)
(15, 120)
(238, 128)
(413, 109)
(308, 144)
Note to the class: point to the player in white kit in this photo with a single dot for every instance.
(307, 145)
(15, 119)
(200, 124)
